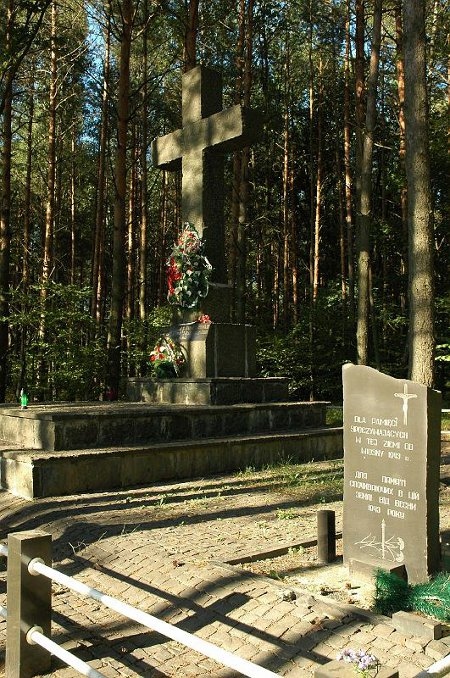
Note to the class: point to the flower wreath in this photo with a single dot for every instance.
(188, 270)
(167, 357)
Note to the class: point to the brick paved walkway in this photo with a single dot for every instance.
(165, 549)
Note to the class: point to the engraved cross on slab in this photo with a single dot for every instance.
(207, 132)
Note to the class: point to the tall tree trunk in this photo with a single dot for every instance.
(420, 215)
(318, 201)
(142, 274)
(26, 235)
(73, 235)
(190, 36)
(364, 209)
(5, 212)
(120, 214)
(348, 176)
(99, 239)
(402, 146)
(47, 262)
(241, 162)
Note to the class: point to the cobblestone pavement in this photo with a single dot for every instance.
(165, 549)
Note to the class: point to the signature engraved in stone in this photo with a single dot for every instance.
(388, 549)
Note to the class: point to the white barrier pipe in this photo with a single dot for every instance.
(440, 668)
(246, 668)
(36, 637)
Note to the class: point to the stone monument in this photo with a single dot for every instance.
(391, 474)
(219, 349)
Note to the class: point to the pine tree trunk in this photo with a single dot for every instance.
(364, 209)
(99, 239)
(402, 146)
(420, 215)
(142, 274)
(348, 175)
(120, 216)
(5, 213)
(190, 36)
(47, 263)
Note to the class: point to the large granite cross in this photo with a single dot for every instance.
(207, 132)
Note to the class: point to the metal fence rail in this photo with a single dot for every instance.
(29, 646)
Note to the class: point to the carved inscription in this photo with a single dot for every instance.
(389, 509)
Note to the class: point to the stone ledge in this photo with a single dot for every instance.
(414, 625)
(31, 474)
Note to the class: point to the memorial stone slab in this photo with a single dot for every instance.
(391, 473)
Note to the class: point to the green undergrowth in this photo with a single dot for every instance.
(445, 421)
(310, 483)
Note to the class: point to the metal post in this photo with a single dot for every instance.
(326, 536)
(28, 604)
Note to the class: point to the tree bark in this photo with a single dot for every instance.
(120, 214)
(364, 209)
(348, 175)
(5, 213)
(98, 254)
(420, 215)
(190, 36)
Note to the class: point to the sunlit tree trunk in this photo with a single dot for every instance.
(73, 235)
(99, 239)
(120, 213)
(143, 238)
(5, 211)
(420, 213)
(402, 146)
(47, 263)
(348, 175)
(190, 36)
(364, 199)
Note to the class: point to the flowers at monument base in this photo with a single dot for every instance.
(205, 319)
(166, 358)
(188, 270)
(365, 664)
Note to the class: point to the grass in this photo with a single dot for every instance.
(445, 421)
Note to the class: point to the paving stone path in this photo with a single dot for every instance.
(165, 549)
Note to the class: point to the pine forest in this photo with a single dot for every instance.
(337, 219)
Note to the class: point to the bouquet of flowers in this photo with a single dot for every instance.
(188, 270)
(166, 358)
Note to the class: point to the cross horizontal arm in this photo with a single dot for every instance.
(167, 151)
(226, 131)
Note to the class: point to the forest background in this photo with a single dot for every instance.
(319, 242)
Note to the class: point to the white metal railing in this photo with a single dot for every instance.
(37, 566)
(36, 637)
(438, 670)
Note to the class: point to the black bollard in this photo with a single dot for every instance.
(326, 536)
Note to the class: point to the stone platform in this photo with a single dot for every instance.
(214, 391)
(51, 450)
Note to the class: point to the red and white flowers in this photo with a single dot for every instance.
(188, 270)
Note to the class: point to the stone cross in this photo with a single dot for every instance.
(207, 133)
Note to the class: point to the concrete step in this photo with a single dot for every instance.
(75, 426)
(34, 473)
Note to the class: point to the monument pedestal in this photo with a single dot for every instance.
(217, 391)
(215, 350)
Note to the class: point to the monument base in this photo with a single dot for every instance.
(216, 349)
(219, 391)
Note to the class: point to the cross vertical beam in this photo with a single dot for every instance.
(207, 133)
